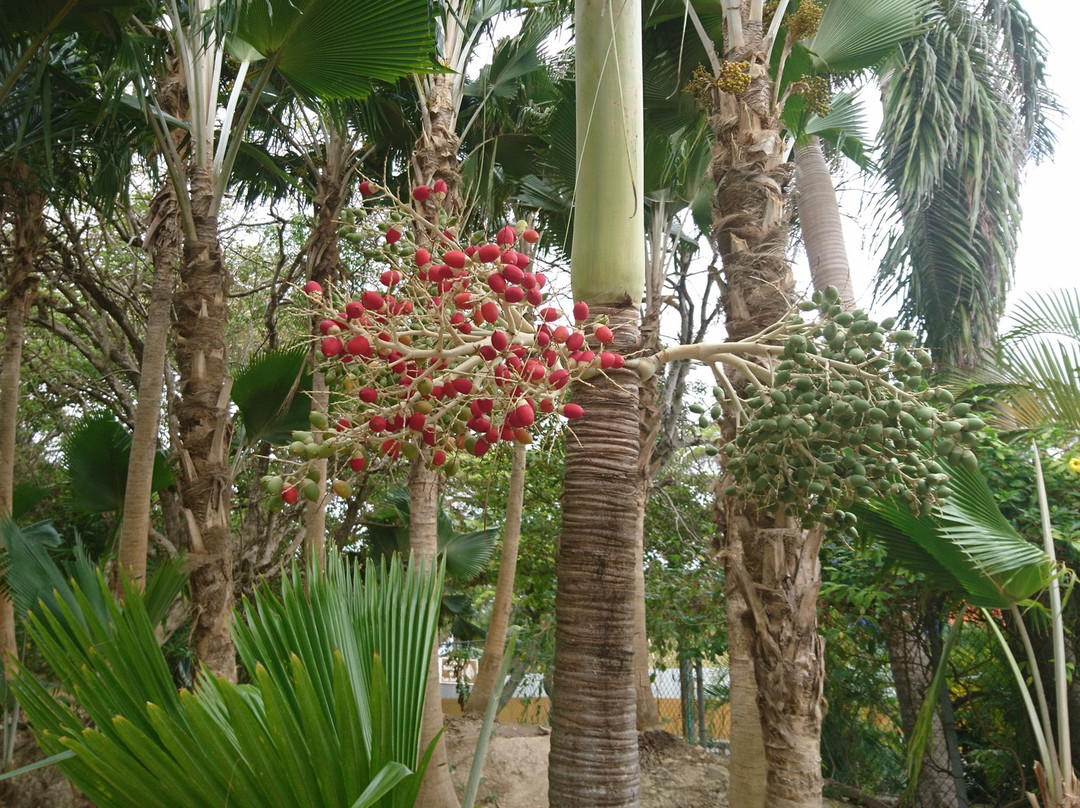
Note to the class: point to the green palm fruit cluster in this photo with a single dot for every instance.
(847, 415)
(734, 77)
(818, 95)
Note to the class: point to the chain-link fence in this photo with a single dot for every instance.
(691, 699)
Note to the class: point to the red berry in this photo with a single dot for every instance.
(522, 260)
(367, 188)
(325, 326)
(488, 253)
(359, 346)
(531, 236)
(534, 297)
(463, 385)
(312, 287)
(514, 294)
(485, 405)
(454, 258)
(368, 395)
(423, 257)
(607, 360)
(353, 310)
(390, 277)
(377, 424)
(439, 187)
(560, 334)
(525, 415)
(331, 346)
(541, 280)
(543, 336)
(499, 341)
(507, 235)
(509, 257)
(559, 378)
(416, 421)
(528, 280)
(421, 192)
(481, 448)
(390, 447)
(392, 235)
(290, 495)
(487, 352)
(547, 405)
(465, 328)
(620, 360)
(372, 300)
(342, 424)
(358, 463)
(575, 341)
(490, 311)
(439, 456)
(581, 311)
(497, 283)
(463, 300)
(603, 333)
(572, 410)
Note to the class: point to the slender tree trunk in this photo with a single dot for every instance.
(27, 236)
(434, 156)
(594, 747)
(779, 576)
(323, 256)
(201, 303)
(436, 790)
(164, 238)
(819, 216)
(491, 660)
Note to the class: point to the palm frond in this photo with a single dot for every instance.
(356, 43)
(272, 394)
(856, 35)
(332, 717)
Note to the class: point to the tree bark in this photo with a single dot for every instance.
(912, 672)
(491, 660)
(201, 303)
(164, 239)
(594, 746)
(819, 216)
(436, 790)
(779, 576)
(27, 235)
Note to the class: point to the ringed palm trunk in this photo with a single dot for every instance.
(594, 747)
(434, 157)
(774, 589)
(323, 256)
(491, 660)
(819, 215)
(201, 303)
(27, 234)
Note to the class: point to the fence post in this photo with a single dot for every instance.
(700, 700)
(684, 699)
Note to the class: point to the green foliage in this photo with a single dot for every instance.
(332, 717)
(272, 394)
(96, 454)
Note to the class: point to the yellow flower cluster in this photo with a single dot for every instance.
(1074, 465)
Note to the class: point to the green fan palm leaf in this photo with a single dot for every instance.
(272, 394)
(332, 717)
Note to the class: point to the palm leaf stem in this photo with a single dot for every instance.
(1048, 760)
(774, 29)
(1043, 716)
(1061, 680)
(230, 111)
(32, 48)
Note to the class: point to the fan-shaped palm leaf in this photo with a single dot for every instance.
(967, 547)
(96, 453)
(856, 35)
(272, 394)
(356, 43)
(339, 670)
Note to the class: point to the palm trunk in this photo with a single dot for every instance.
(594, 747)
(436, 790)
(27, 234)
(491, 659)
(819, 216)
(201, 303)
(779, 576)
(165, 240)
(323, 257)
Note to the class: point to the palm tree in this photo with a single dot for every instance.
(594, 740)
(284, 37)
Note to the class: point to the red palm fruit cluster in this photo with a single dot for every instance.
(456, 352)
